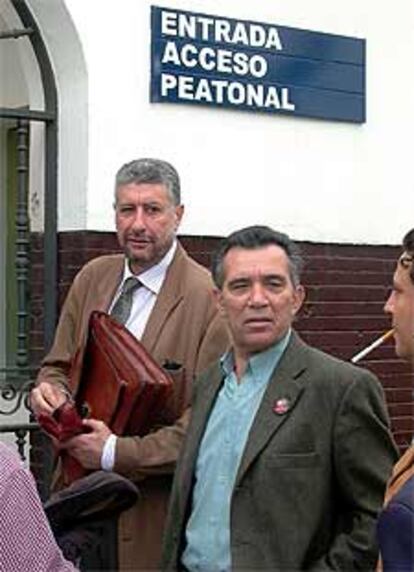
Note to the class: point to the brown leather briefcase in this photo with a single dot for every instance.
(117, 381)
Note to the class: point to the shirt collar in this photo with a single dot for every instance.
(153, 278)
(262, 364)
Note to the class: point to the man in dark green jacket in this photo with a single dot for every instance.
(288, 449)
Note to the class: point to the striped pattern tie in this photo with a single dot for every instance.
(122, 307)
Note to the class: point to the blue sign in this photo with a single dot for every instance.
(223, 62)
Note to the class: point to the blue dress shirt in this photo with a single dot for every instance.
(221, 449)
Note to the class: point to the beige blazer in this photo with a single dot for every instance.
(185, 328)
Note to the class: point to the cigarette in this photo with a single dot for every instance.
(371, 347)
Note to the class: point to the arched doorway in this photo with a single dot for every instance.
(28, 156)
(36, 162)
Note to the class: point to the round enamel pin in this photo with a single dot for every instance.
(281, 406)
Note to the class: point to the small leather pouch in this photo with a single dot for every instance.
(64, 423)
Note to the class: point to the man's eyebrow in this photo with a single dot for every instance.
(274, 275)
(264, 277)
(239, 279)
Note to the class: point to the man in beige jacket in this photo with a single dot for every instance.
(174, 316)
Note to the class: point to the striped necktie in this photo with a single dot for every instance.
(122, 307)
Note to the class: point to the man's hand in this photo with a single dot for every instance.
(46, 397)
(87, 448)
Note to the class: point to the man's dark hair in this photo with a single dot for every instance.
(253, 237)
(407, 259)
(152, 171)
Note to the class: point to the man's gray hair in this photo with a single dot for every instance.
(151, 171)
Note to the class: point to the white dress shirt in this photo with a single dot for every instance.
(143, 301)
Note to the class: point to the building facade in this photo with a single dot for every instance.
(77, 100)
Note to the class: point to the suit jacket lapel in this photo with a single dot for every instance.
(105, 290)
(169, 297)
(280, 398)
(209, 385)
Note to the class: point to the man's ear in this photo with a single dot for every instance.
(179, 211)
(299, 298)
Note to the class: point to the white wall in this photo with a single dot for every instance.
(65, 52)
(318, 180)
(21, 86)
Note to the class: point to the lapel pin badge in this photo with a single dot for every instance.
(281, 406)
